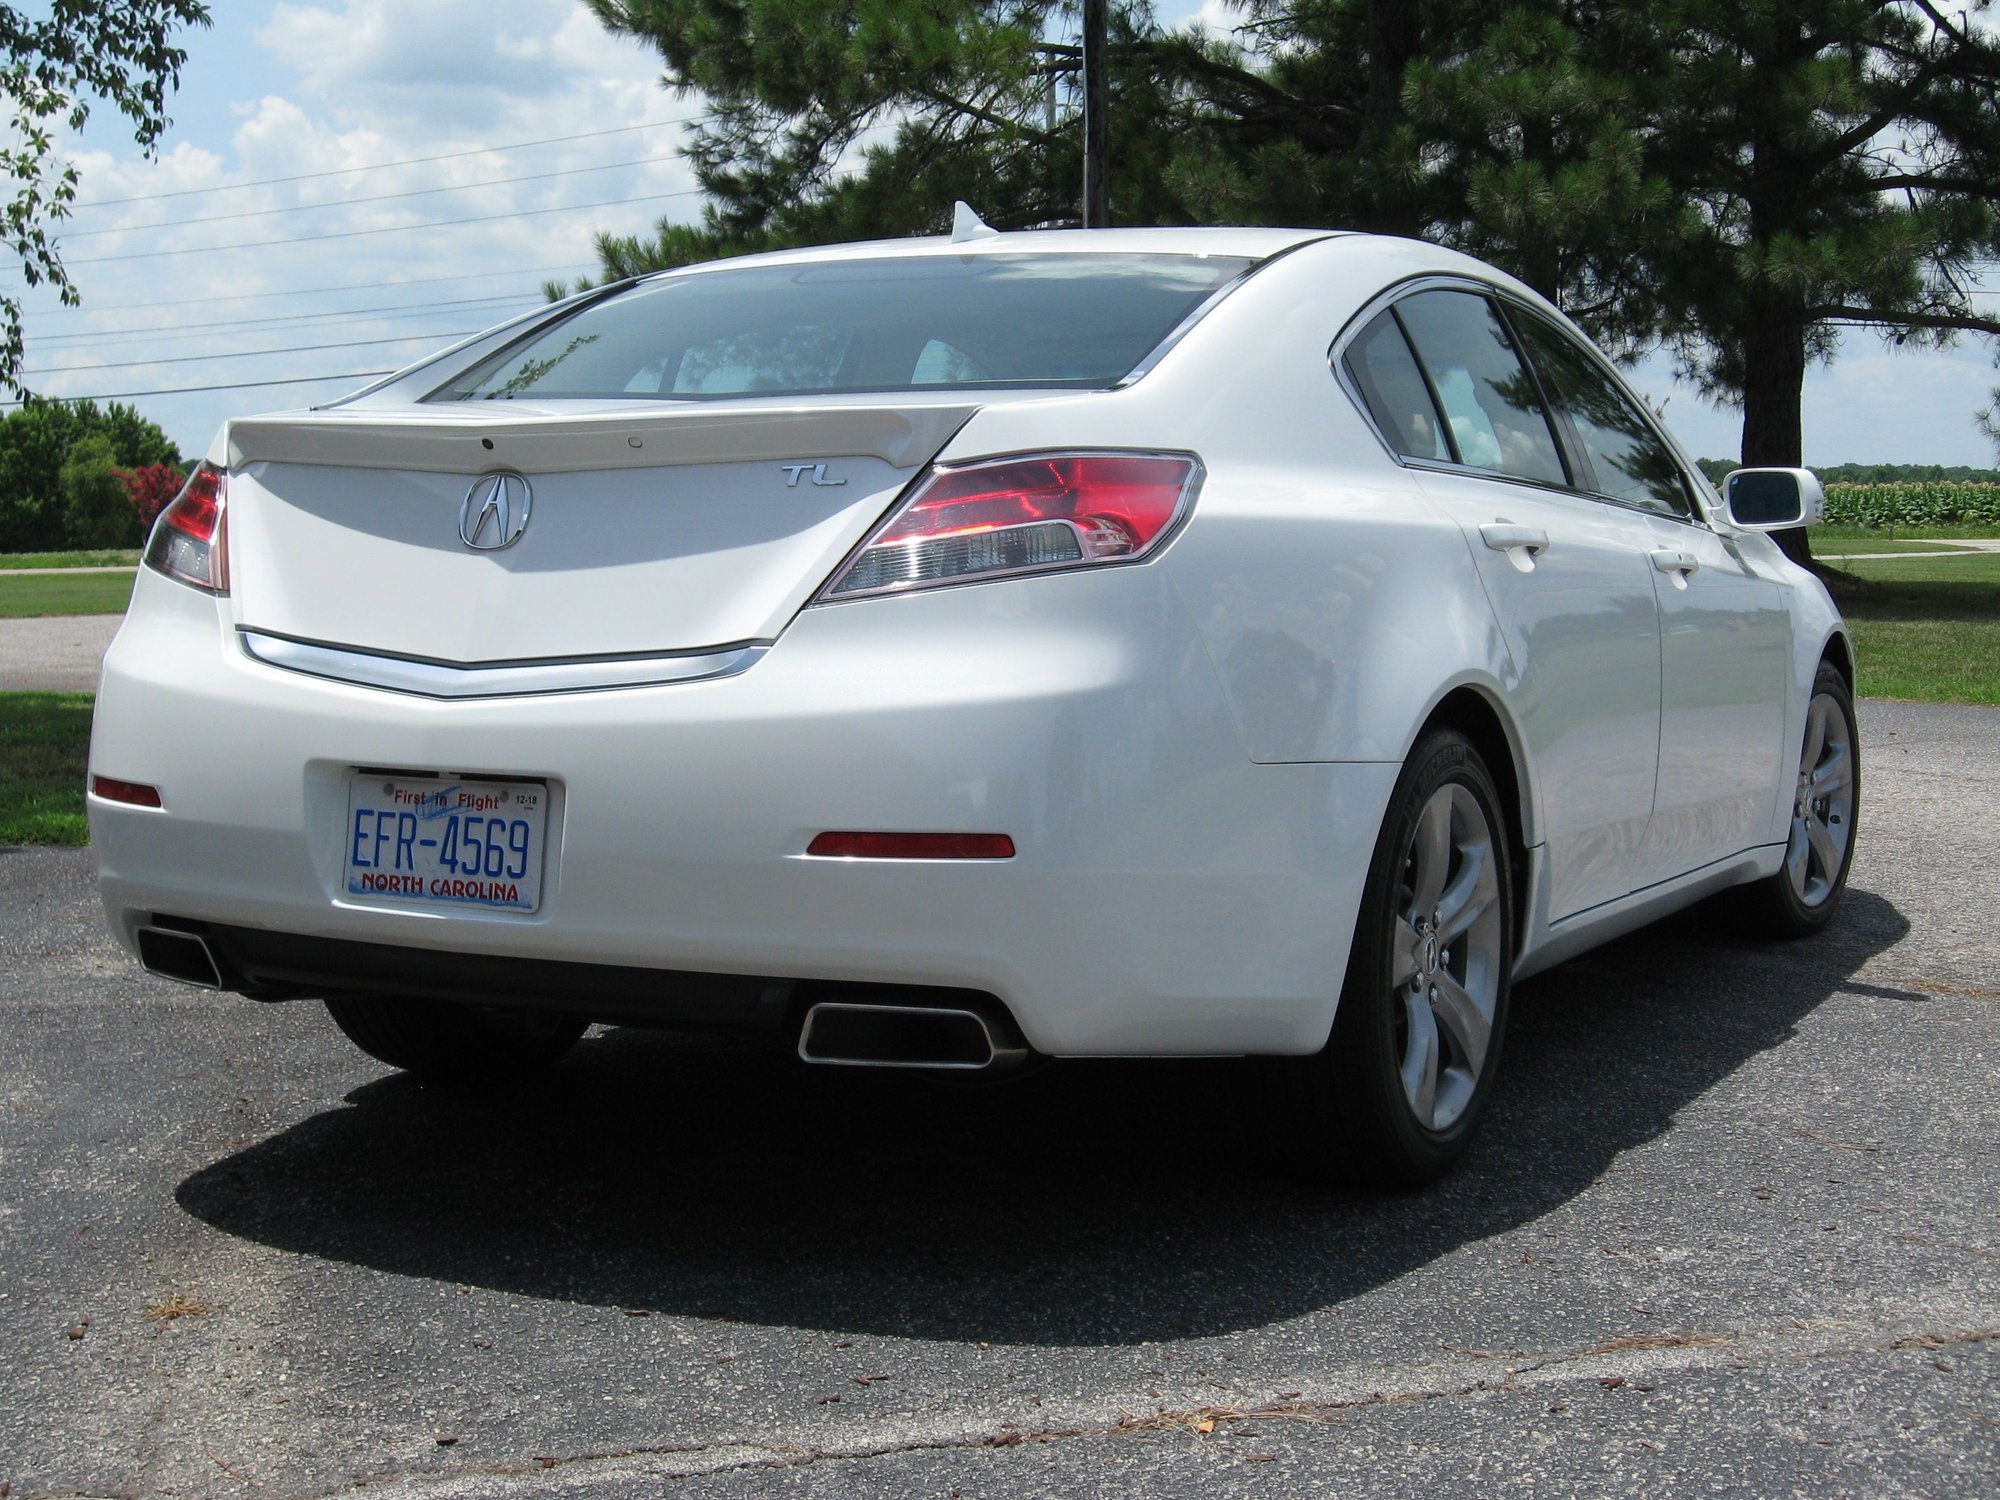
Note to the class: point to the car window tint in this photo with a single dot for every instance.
(1496, 417)
(1385, 372)
(805, 357)
(1628, 460)
(899, 322)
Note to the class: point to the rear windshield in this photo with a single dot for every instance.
(894, 324)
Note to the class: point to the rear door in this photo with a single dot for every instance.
(1725, 634)
(1568, 579)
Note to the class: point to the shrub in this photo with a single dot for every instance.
(97, 508)
(151, 486)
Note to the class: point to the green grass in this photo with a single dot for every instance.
(1840, 532)
(1924, 628)
(124, 558)
(1848, 546)
(57, 593)
(44, 748)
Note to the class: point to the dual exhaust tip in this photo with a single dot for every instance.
(835, 1033)
(949, 1039)
(181, 956)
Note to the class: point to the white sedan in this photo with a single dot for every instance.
(951, 653)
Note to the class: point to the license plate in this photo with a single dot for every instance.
(446, 843)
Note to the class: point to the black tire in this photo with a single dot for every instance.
(439, 1039)
(1801, 898)
(1358, 1122)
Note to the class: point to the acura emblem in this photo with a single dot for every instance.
(495, 512)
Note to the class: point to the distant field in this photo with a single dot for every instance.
(1925, 628)
(1832, 532)
(44, 748)
(51, 592)
(128, 558)
(1848, 546)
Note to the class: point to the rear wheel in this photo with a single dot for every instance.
(1393, 1098)
(1819, 851)
(442, 1039)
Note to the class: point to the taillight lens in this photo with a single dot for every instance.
(1022, 515)
(190, 539)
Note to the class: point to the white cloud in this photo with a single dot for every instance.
(376, 83)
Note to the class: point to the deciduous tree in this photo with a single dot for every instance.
(54, 60)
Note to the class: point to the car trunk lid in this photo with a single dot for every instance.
(649, 532)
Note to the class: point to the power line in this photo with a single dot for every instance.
(238, 385)
(210, 355)
(349, 234)
(139, 335)
(383, 166)
(312, 291)
(299, 208)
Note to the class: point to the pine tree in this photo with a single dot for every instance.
(1745, 178)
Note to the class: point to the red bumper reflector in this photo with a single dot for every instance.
(912, 846)
(135, 792)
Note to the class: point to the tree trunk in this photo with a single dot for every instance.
(1774, 376)
(1394, 35)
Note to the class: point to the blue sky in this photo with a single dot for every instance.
(314, 89)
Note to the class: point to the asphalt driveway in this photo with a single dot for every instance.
(1731, 1229)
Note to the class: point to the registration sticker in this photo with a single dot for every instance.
(444, 842)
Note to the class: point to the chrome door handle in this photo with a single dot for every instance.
(1503, 536)
(1675, 564)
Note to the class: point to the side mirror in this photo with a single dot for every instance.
(1772, 499)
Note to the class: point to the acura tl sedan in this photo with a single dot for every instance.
(956, 653)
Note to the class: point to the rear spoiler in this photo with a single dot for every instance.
(451, 442)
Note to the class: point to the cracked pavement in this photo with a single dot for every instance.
(1730, 1229)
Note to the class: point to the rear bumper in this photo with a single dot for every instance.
(1167, 897)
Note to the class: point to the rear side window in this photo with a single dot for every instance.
(890, 324)
(1490, 401)
(1385, 372)
(1627, 459)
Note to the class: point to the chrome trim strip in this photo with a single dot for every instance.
(436, 679)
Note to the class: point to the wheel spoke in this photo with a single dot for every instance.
(1470, 895)
(1431, 849)
(1458, 1013)
(1420, 1060)
(1824, 849)
(1403, 945)
(1797, 853)
(1816, 715)
(1834, 774)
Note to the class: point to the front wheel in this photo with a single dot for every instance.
(1393, 1098)
(1819, 849)
(440, 1039)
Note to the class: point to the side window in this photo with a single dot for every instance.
(1628, 461)
(1381, 366)
(1489, 399)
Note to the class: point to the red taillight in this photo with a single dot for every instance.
(912, 846)
(137, 793)
(1015, 515)
(190, 539)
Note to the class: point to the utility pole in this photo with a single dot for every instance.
(1096, 119)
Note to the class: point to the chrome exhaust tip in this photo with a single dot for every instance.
(183, 957)
(844, 1034)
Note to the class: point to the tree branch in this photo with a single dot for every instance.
(1877, 317)
(985, 116)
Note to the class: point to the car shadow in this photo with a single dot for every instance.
(1094, 1202)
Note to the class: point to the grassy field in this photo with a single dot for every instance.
(58, 593)
(1924, 628)
(44, 746)
(1846, 546)
(1829, 532)
(128, 558)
